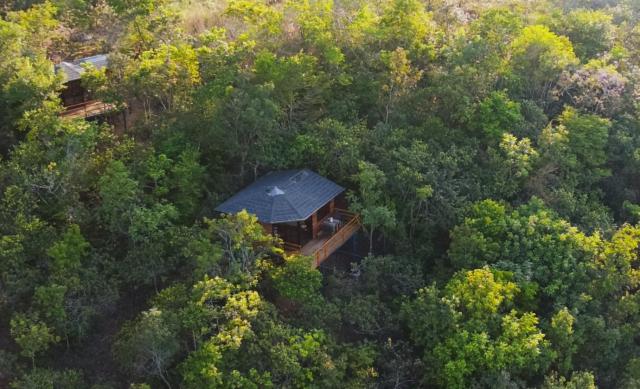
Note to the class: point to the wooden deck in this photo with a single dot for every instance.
(323, 246)
(87, 109)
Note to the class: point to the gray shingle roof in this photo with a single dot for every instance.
(73, 70)
(283, 196)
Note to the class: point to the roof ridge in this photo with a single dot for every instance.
(285, 198)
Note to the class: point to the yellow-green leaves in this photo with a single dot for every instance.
(563, 339)
(165, 76)
(39, 24)
(496, 114)
(398, 80)
(591, 31)
(537, 57)
(297, 280)
(577, 146)
(67, 255)
(470, 330)
(28, 83)
(406, 23)
(316, 20)
(32, 336)
(550, 52)
(244, 242)
(530, 241)
(478, 294)
(228, 311)
(260, 20)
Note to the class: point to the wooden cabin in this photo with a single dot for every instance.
(78, 103)
(307, 211)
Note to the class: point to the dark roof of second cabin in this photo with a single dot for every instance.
(73, 70)
(283, 196)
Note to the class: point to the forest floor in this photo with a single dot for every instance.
(94, 356)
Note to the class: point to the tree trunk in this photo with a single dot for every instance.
(164, 379)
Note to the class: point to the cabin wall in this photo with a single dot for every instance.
(294, 232)
(302, 232)
(73, 93)
(268, 228)
(341, 201)
(325, 210)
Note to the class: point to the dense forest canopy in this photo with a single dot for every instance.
(491, 148)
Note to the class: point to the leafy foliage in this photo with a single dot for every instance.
(490, 148)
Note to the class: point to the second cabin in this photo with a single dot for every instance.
(77, 102)
(307, 211)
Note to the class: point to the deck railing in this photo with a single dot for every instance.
(351, 223)
(86, 109)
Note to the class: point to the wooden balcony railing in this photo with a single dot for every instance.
(323, 246)
(86, 109)
(350, 225)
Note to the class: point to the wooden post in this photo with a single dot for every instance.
(332, 206)
(314, 225)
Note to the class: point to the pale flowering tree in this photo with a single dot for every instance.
(593, 88)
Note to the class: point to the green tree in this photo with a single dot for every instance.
(186, 182)
(469, 331)
(575, 150)
(230, 310)
(49, 302)
(248, 118)
(399, 79)
(511, 164)
(562, 337)
(275, 354)
(39, 378)
(67, 255)
(590, 31)
(478, 295)
(150, 233)
(541, 249)
(149, 23)
(371, 201)
(260, 22)
(33, 336)
(119, 193)
(406, 23)
(330, 147)
(147, 346)
(578, 379)
(297, 280)
(244, 243)
(28, 82)
(497, 115)
(538, 57)
(164, 77)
